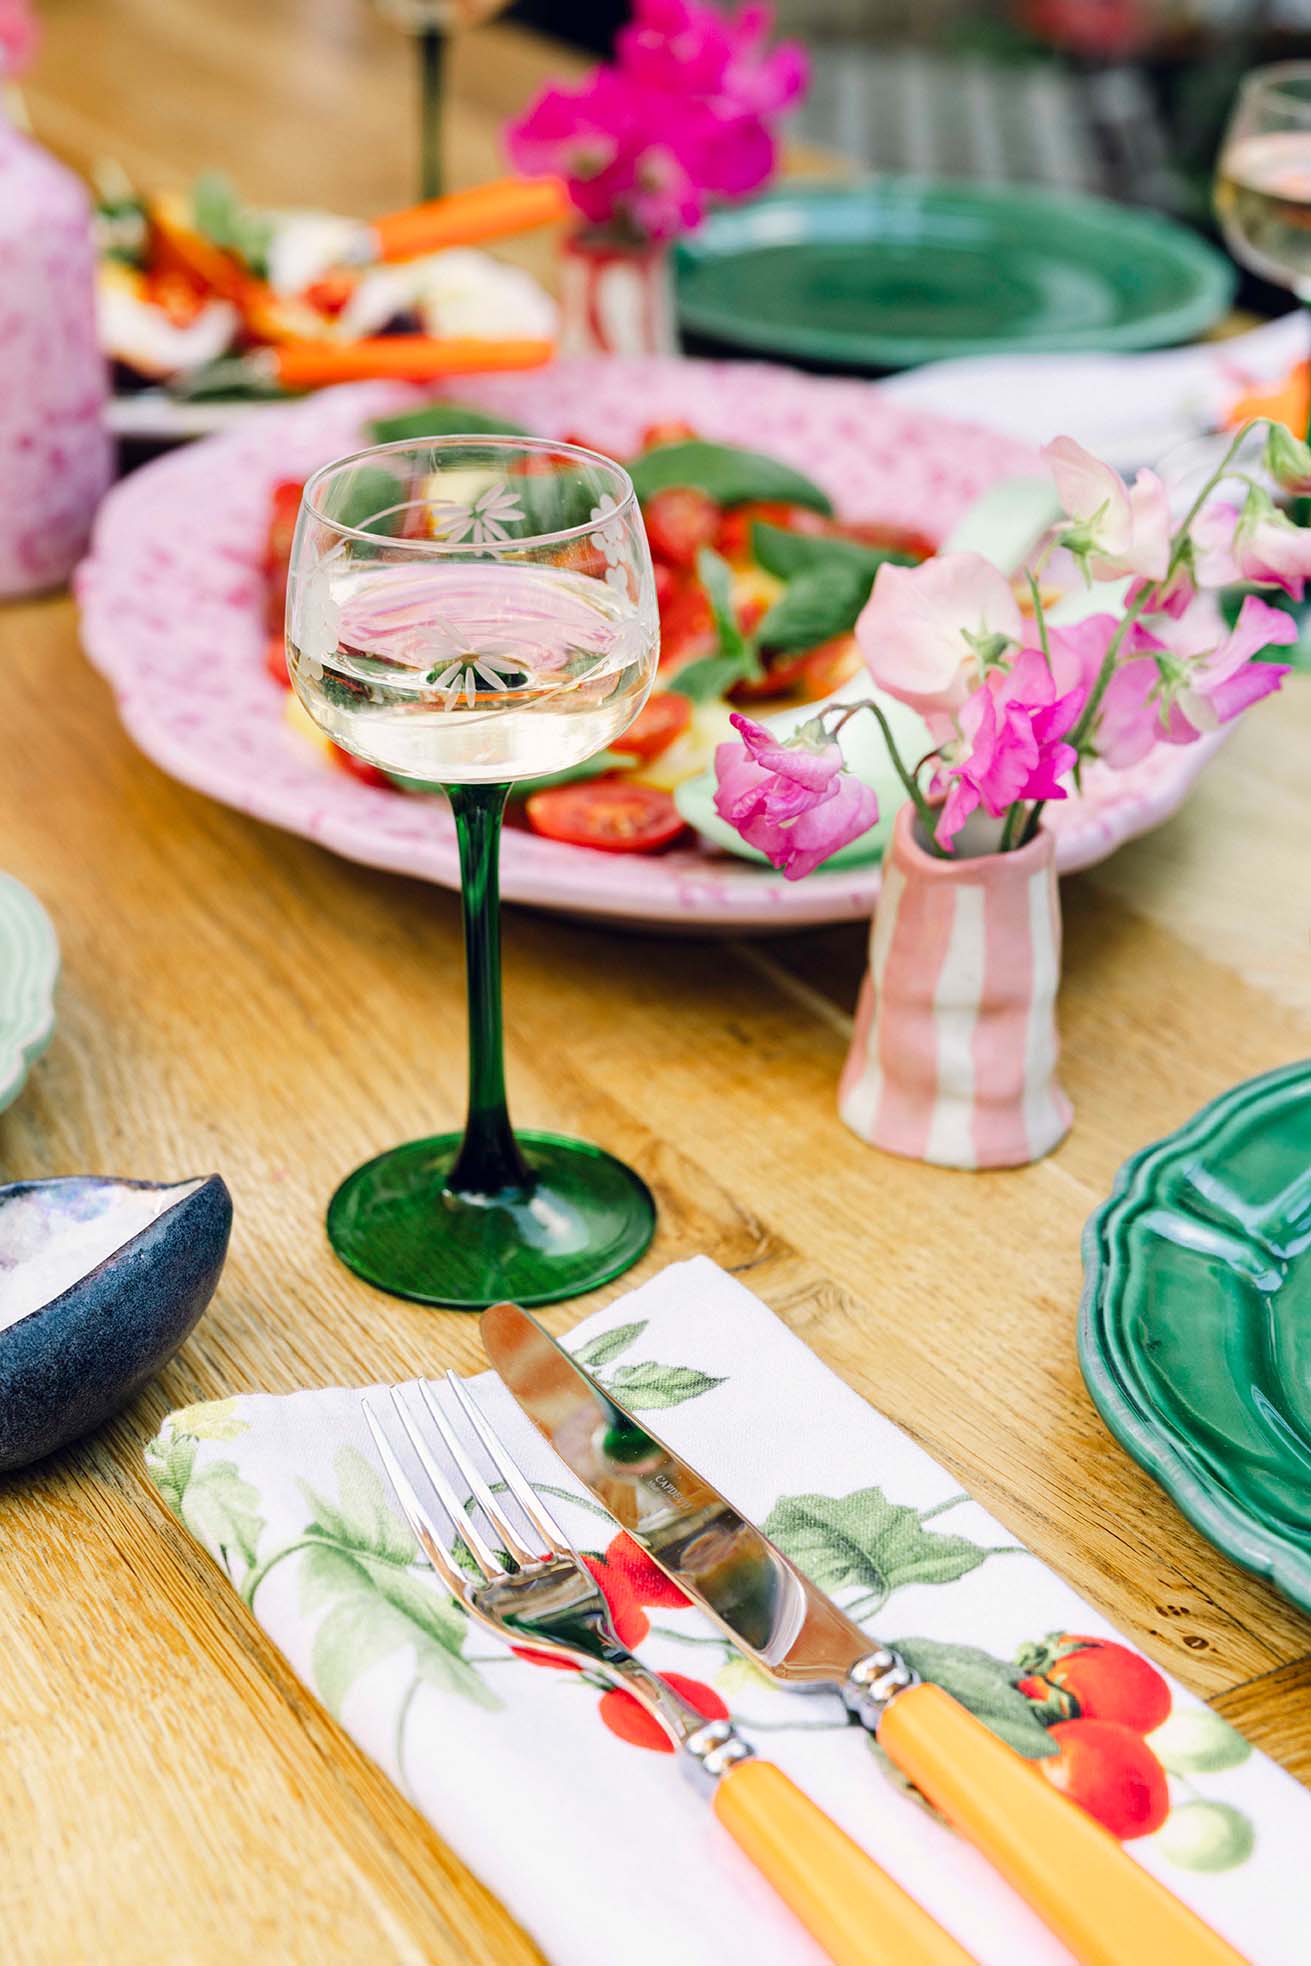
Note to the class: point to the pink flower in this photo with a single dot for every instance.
(1213, 550)
(1199, 679)
(1014, 726)
(680, 117)
(924, 629)
(1117, 530)
(792, 801)
(1269, 549)
(19, 35)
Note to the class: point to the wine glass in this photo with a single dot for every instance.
(1263, 178)
(464, 612)
(432, 22)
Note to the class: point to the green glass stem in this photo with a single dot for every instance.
(489, 1161)
(432, 64)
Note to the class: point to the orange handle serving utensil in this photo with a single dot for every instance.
(1106, 1908)
(859, 1914)
(467, 218)
(400, 358)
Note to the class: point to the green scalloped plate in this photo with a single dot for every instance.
(900, 270)
(1195, 1324)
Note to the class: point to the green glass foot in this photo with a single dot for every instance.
(584, 1219)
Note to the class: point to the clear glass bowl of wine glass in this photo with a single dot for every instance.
(1263, 177)
(465, 613)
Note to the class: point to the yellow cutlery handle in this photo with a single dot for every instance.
(1106, 1908)
(857, 1912)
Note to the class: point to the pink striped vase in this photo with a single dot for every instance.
(615, 299)
(953, 1058)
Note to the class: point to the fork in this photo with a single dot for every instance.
(540, 1593)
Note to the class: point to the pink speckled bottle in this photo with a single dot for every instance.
(55, 453)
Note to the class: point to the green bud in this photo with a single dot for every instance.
(1287, 458)
(1195, 1741)
(1206, 1836)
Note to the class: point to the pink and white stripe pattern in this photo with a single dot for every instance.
(953, 1056)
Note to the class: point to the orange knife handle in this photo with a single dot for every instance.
(468, 218)
(859, 1915)
(1106, 1908)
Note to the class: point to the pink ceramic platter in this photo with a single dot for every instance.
(172, 599)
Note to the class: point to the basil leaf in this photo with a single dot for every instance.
(814, 608)
(787, 554)
(726, 473)
(441, 419)
(219, 215)
(737, 657)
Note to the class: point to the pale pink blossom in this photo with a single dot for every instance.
(927, 632)
(19, 35)
(1117, 529)
(1269, 549)
(792, 801)
(1199, 678)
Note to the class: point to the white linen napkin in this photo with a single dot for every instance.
(600, 1847)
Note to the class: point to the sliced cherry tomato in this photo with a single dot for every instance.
(606, 813)
(275, 659)
(667, 584)
(330, 294)
(283, 509)
(663, 717)
(669, 430)
(679, 522)
(357, 768)
(734, 537)
(893, 539)
(687, 629)
(827, 666)
(176, 294)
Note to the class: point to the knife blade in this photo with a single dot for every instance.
(1094, 1896)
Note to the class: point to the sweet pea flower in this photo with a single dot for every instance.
(928, 632)
(18, 37)
(1199, 679)
(792, 801)
(1269, 549)
(1117, 530)
(1012, 743)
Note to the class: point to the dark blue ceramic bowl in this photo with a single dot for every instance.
(153, 1253)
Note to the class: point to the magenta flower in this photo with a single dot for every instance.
(1116, 529)
(928, 632)
(1195, 681)
(681, 117)
(792, 801)
(1012, 744)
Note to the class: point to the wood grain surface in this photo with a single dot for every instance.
(236, 999)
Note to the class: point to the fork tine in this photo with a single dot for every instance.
(535, 1509)
(466, 1531)
(411, 1507)
(468, 1473)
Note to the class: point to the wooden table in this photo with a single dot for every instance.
(171, 1792)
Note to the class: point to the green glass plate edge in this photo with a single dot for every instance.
(1139, 1431)
(1214, 280)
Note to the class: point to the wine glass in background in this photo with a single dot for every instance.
(464, 612)
(1263, 177)
(431, 22)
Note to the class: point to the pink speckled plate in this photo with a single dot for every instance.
(172, 611)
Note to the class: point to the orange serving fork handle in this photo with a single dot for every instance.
(1106, 1908)
(468, 218)
(400, 358)
(858, 1914)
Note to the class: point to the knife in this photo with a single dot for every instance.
(1102, 1904)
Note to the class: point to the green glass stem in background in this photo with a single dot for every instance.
(432, 65)
(489, 1159)
(465, 1220)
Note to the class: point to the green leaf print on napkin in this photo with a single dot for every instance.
(358, 1559)
(986, 1686)
(646, 1387)
(864, 1539)
(216, 1505)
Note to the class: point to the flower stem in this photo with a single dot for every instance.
(1107, 670)
(1009, 827)
(1181, 537)
(913, 792)
(1039, 616)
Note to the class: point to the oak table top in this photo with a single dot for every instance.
(236, 999)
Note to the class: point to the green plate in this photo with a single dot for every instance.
(904, 270)
(1195, 1326)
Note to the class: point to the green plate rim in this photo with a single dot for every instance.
(1214, 276)
(1208, 1507)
